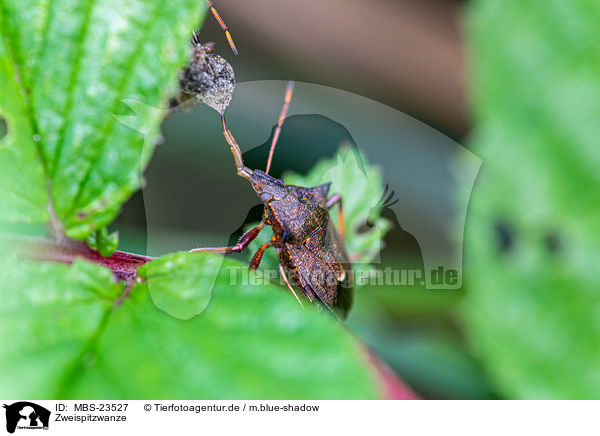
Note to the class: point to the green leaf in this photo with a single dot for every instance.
(360, 186)
(80, 337)
(66, 69)
(56, 312)
(22, 181)
(532, 234)
(181, 284)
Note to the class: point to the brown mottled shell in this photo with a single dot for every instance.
(309, 246)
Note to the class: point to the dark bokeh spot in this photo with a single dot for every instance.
(552, 242)
(133, 212)
(304, 141)
(364, 227)
(3, 128)
(399, 242)
(504, 236)
(254, 216)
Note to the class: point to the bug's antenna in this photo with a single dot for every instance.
(288, 98)
(242, 170)
(195, 39)
(223, 26)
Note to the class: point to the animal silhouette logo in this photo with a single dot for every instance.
(26, 415)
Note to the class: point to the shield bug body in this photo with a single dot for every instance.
(310, 249)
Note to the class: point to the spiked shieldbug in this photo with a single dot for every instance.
(309, 247)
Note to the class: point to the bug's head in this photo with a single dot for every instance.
(266, 187)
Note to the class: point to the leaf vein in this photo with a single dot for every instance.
(72, 82)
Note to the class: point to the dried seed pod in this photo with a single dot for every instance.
(208, 79)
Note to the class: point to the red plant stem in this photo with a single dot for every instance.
(124, 265)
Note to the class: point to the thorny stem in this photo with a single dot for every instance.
(124, 265)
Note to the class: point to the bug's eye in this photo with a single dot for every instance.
(265, 196)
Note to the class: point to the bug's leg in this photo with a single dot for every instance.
(288, 98)
(242, 170)
(289, 285)
(259, 254)
(332, 201)
(223, 26)
(244, 241)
